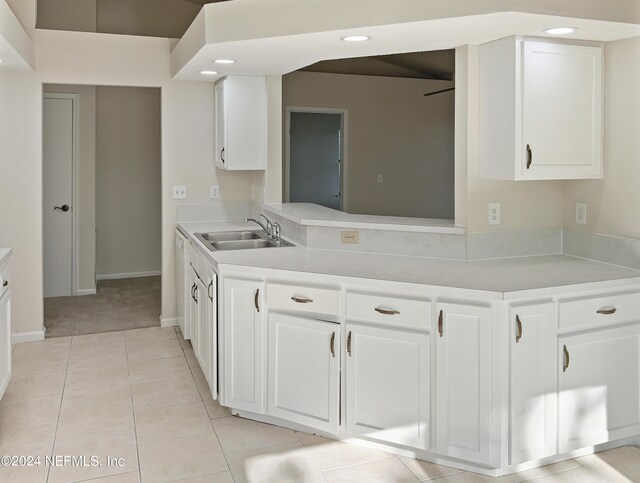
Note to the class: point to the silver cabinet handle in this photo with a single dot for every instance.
(209, 291)
(255, 300)
(529, 156)
(441, 324)
(607, 310)
(222, 156)
(565, 362)
(518, 329)
(302, 300)
(349, 344)
(382, 311)
(333, 344)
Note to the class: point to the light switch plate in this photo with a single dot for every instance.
(581, 213)
(179, 192)
(349, 237)
(379, 179)
(215, 192)
(494, 213)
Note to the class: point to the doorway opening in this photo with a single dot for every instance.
(315, 156)
(101, 208)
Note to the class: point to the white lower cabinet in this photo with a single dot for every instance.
(5, 341)
(463, 382)
(243, 344)
(212, 331)
(304, 371)
(387, 385)
(200, 346)
(532, 412)
(191, 309)
(599, 389)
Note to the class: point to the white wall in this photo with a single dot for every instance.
(393, 130)
(613, 204)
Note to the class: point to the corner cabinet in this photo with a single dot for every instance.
(540, 109)
(241, 123)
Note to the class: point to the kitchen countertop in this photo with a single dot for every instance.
(5, 253)
(508, 276)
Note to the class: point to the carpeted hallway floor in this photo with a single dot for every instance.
(125, 304)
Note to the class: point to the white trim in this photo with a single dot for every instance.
(18, 337)
(85, 291)
(344, 113)
(117, 276)
(75, 183)
(168, 322)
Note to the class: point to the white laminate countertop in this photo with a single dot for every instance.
(513, 277)
(5, 253)
(315, 215)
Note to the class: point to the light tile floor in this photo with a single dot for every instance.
(139, 395)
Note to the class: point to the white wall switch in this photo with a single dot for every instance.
(379, 179)
(179, 192)
(494, 213)
(215, 192)
(349, 237)
(581, 213)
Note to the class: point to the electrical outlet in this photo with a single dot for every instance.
(379, 179)
(179, 192)
(581, 213)
(215, 192)
(494, 213)
(350, 237)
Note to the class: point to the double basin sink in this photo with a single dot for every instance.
(238, 240)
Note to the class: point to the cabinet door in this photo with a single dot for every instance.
(243, 344)
(562, 111)
(181, 289)
(463, 381)
(387, 384)
(212, 331)
(304, 371)
(532, 414)
(599, 392)
(5, 341)
(192, 308)
(220, 129)
(201, 347)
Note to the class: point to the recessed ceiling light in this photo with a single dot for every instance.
(560, 30)
(1, 61)
(224, 61)
(208, 72)
(355, 38)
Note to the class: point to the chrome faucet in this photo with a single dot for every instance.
(271, 228)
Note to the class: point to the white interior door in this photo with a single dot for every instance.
(57, 196)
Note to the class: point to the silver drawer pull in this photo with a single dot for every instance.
(382, 311)
(607, 311)
(302, 300)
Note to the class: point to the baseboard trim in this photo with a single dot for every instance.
(85, 291)
(117, 276)
(168, 322)
(19, 337)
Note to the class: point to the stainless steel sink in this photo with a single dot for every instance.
(238, 240)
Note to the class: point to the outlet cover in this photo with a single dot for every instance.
(215, 192)
(179, 192)
(494, 213)
(379, 179)
(581, 213)
(349, 237)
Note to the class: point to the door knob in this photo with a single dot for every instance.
(64, 208)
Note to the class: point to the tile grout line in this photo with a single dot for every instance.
(133, 409)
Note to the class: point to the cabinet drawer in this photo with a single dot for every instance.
(586, 311)
(377, 308)
(298, 298)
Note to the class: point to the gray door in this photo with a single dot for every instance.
(315, 157)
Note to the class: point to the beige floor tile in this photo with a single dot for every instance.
(27, 441)
(122, 478)
(223, 477)
(30, 412)
(623, 456)
(467, 477)
(169, 422)
(17, 474)
(23, 387)
(238, 434)
(327, 454)
(180, 458)
(544, 471)
(383, 471)
(100, 421)
(94, 393)
(425, 471)
(99, 370)
(618, 464)
(152, 333)
(214, 409)
(284, 463)
(191, 357)
(47, 345)
(96, 362)
(164, 393)
(103, 337)
(98, 349)
(159, 369)
(115, 447)
(155, 349)
(583, 475)
(25, 364)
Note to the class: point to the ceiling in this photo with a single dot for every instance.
(436, 65)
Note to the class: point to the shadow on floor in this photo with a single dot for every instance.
(130, 303)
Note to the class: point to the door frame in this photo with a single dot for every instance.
(75, 149)
(344, 116)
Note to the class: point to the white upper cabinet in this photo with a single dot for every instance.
(540, 109)
(241, 123)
